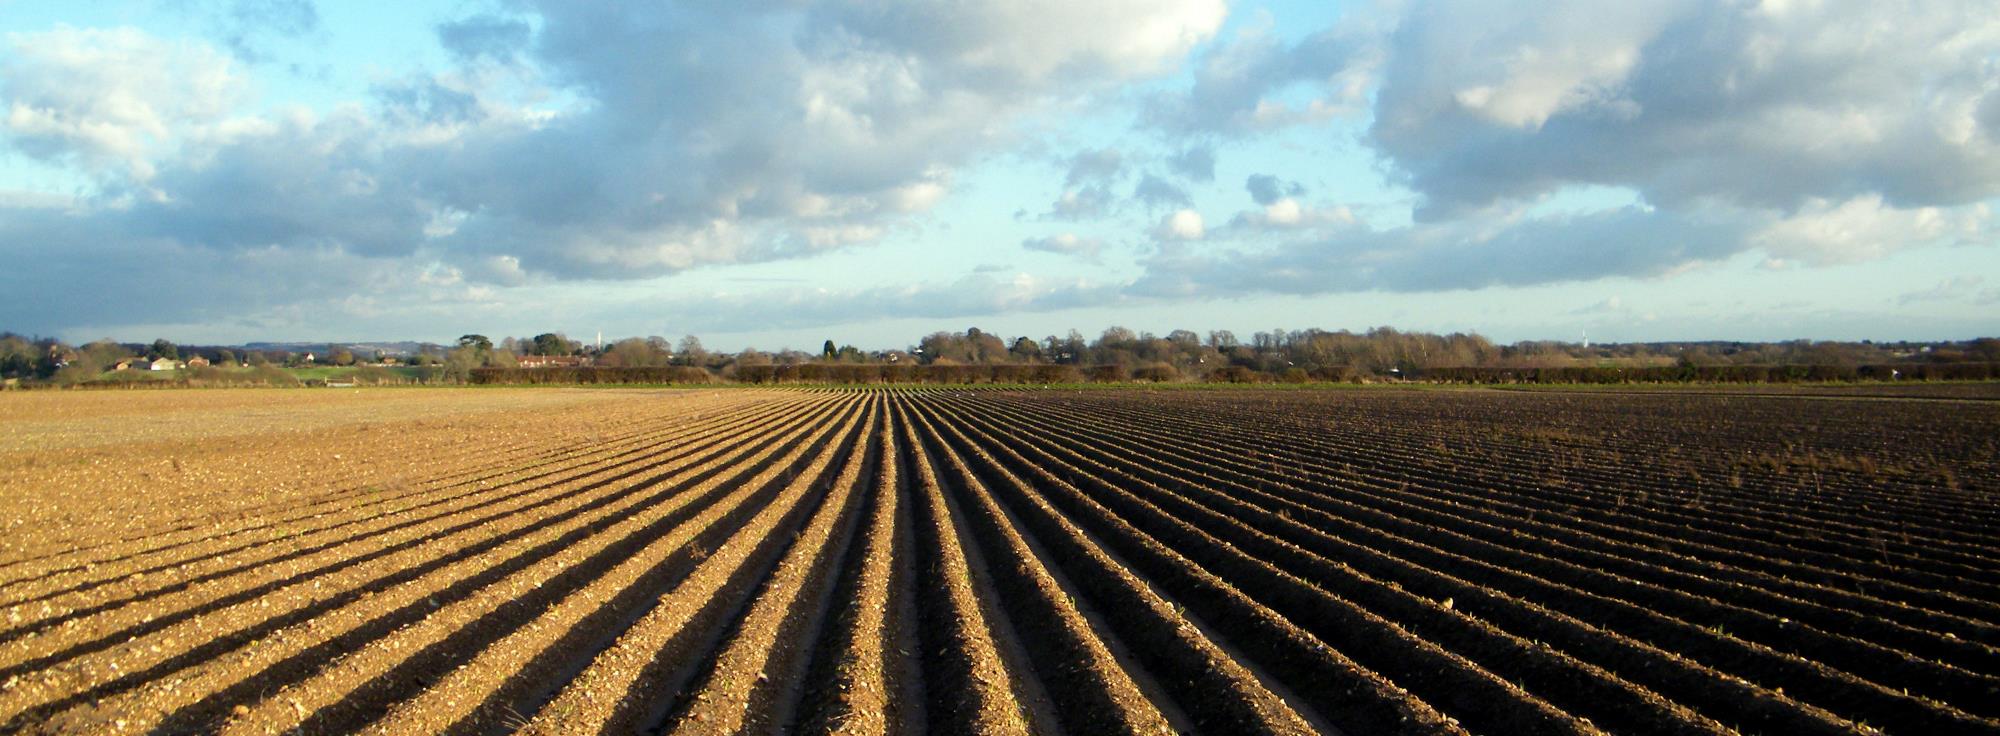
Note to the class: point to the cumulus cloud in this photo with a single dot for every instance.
(1823, 132)
(1865, 228)
(1087, 185)
(1197, 163)
(1288, 248)
(1094, 166)
(1267, 189)
(1087, 203)
(112, 101)
(1289, 213)
(81, 271)
(1030, 43)
(1461, 255)
(619, 141)
(1183, 224)
(769, 131)
(975, 294)
(1154, 191)
(1092, 174)
(1069, 244)
(771, 124)
(1238, 84)
(1767, 106)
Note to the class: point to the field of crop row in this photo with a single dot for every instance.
(1043, 561)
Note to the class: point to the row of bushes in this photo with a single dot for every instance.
(841, 373)
(590, 375)
(1718, 374)
(890, 373)
(212, 377)
(911, 373)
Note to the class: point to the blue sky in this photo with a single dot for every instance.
(775, 174)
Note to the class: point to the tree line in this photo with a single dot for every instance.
(1279, 355)
(974, 355)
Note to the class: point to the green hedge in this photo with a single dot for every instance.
(1718, 374)
(890, 373)
(590, 375)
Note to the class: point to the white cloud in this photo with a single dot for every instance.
(1180, 225)
(1095, 166)
(1864, 228)
(1503, 250)
(621, 141)
(780, 130)
(980, 293)
(1518, 70)
(1289, 214)
(1283, 212)
(1197, 162)
(1032, 42)
(1154, 191)
(115, 99)
(1089, 202)
(1691, 101)
(769, 131)
(1266, 189)
(1069, 244)
(1828, 132)
(1239, 85)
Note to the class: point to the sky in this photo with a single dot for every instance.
(779, 172)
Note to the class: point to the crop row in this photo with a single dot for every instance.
(905, 561)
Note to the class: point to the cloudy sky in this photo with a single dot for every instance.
(777, 172)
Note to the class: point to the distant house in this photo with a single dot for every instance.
(551, 361)
(197, 362)
(162, 364)
(128, 364)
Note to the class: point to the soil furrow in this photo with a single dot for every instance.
(1574, 685)
(854, 675)
(1344, 693)
(966, 684)
(461, 566)
(357, 687)
(497, 684)
(928, 559)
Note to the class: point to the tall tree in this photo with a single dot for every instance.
(634, 352)
(459, 364)
(1025, 350)
(550, 343)
(691, 352)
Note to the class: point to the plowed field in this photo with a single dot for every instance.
(1362, 562)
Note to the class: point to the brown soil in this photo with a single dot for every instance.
(995, 561)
